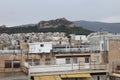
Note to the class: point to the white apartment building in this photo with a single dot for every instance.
(40, 47)
(100, 41)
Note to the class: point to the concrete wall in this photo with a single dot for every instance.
(22, 58)
(4, 57)
(113, 53)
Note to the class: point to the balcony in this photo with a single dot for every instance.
(64, 68)
(61, 50)
(77, 49)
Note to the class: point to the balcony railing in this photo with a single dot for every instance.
(10, 51)
(64, 67)
(71, 50)
(74, 49)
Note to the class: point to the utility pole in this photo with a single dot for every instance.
(70, 44)
(100, 32)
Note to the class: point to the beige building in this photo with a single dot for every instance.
(114, 59)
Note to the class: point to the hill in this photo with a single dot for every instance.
(58, 25)
(96, 26)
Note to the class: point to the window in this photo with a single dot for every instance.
(103, 46)
(60, 42)
(75, 60)
(47, 55)
(8, 63)
(36, 61)
(41, 45)
(29, 61)
(86, 60)
(67, 60)
(98, 77)
(25, 41)
(16, 63)
(33, 61)
(47, 61)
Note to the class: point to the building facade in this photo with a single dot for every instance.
(97, 60)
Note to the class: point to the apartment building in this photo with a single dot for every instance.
(44, 60)
(68, 62)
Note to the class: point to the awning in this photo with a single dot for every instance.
(36, 78)
(85, 75)
(116, 74)
(54, 77)
(58, 77)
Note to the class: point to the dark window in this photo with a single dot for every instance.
(102, 46)
(16, 64)
(80, 46)
(41, 45)
(98, 77)
(25, 41)
(8, 63)
(60, 42)
(47, 61)
(86, 60)
(67, 60)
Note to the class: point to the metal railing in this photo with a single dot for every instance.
(71, 50)
(65, 67)
(10, 51)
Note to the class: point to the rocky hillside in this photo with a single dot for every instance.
(56, 23)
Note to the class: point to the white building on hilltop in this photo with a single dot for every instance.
(81, 38)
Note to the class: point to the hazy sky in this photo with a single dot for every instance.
(18, 12)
